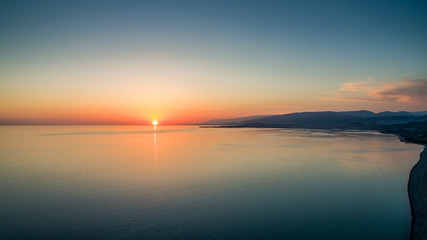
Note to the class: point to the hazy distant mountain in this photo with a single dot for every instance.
(306, 120)
(361, 113)
(394, 114)
(420, 113)
(231, 121)
(329, 120)
(409, 126)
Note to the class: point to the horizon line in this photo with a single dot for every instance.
(59, 123)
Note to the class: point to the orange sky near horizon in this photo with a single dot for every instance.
(83, 111)
(183, 63)
(171, 95)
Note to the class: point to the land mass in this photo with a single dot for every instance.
(417, 191)
(409, 126)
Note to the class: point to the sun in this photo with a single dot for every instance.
(155, 123)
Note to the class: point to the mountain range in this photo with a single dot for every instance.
(325, 120)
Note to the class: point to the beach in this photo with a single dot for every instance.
(417, 191)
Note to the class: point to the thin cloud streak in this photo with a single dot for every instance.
(358, 99)
(406, 91)
(366, 85)
(279, 107)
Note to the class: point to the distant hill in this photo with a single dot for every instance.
(328, 120)
(420, 113)
(231, 121)
(361, 113)
(393, 114)
(415, 132)
(303, 120)
(409, 126)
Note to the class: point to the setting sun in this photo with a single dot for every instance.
(155, 123)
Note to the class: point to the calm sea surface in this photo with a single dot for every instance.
(185, 182)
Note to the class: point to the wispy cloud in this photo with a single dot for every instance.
(406, 91)
(366, 85)
(357, 99)
(279, 106)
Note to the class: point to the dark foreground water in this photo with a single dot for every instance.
(183, 182)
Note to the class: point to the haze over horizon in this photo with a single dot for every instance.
(193, 61)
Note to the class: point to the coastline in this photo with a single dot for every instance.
(417, 192)
(417, 183)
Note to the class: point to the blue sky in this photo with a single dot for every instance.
(233, 57)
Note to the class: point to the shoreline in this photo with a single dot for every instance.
(417, 192)
(417, 182)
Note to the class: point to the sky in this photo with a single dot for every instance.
(131, 62)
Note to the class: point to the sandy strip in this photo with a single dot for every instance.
(417, 191)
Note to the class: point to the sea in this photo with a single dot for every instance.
(188, 182)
